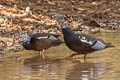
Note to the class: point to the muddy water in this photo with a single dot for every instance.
(101, 65)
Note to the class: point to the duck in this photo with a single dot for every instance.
(40, 41)
(80, 43)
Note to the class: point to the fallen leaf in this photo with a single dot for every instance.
(80, 9)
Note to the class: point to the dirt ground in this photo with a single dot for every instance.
(81, 15)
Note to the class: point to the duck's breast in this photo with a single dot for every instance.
(42, 44)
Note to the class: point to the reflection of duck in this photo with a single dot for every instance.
(55, 69)
(38, 60)
(40, 41)
(80, 43)
(86, 71)
(43, 68)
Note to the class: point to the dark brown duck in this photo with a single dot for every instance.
(40, 41)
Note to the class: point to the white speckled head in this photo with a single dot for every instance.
(57, 16)
(61, 20)
(25, 38)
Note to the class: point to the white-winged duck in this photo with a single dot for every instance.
(40, 41)
(80, 43)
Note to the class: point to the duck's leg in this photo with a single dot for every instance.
(85, 57)
(39, 53)
(71, 56)
(42, 53)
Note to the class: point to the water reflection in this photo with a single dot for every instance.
(37, 68)
(86, 71)
(42, 69)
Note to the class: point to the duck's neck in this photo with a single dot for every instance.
(27, 46)
(63, 24)
(67, 32)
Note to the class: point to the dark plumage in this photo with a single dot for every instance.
(40, 41)
(80, 43)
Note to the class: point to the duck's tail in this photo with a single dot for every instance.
(109, 45)
(57, 42)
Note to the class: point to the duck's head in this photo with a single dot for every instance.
(57, 16)
(24, 37)
(61, 20)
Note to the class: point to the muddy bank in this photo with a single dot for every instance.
(87, 16)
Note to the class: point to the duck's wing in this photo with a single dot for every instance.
(93, 42)
(56, 35)
(52, 38)
(39, 36)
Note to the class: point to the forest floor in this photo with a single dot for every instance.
(88, 16)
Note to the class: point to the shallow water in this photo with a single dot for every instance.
(101, 65)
